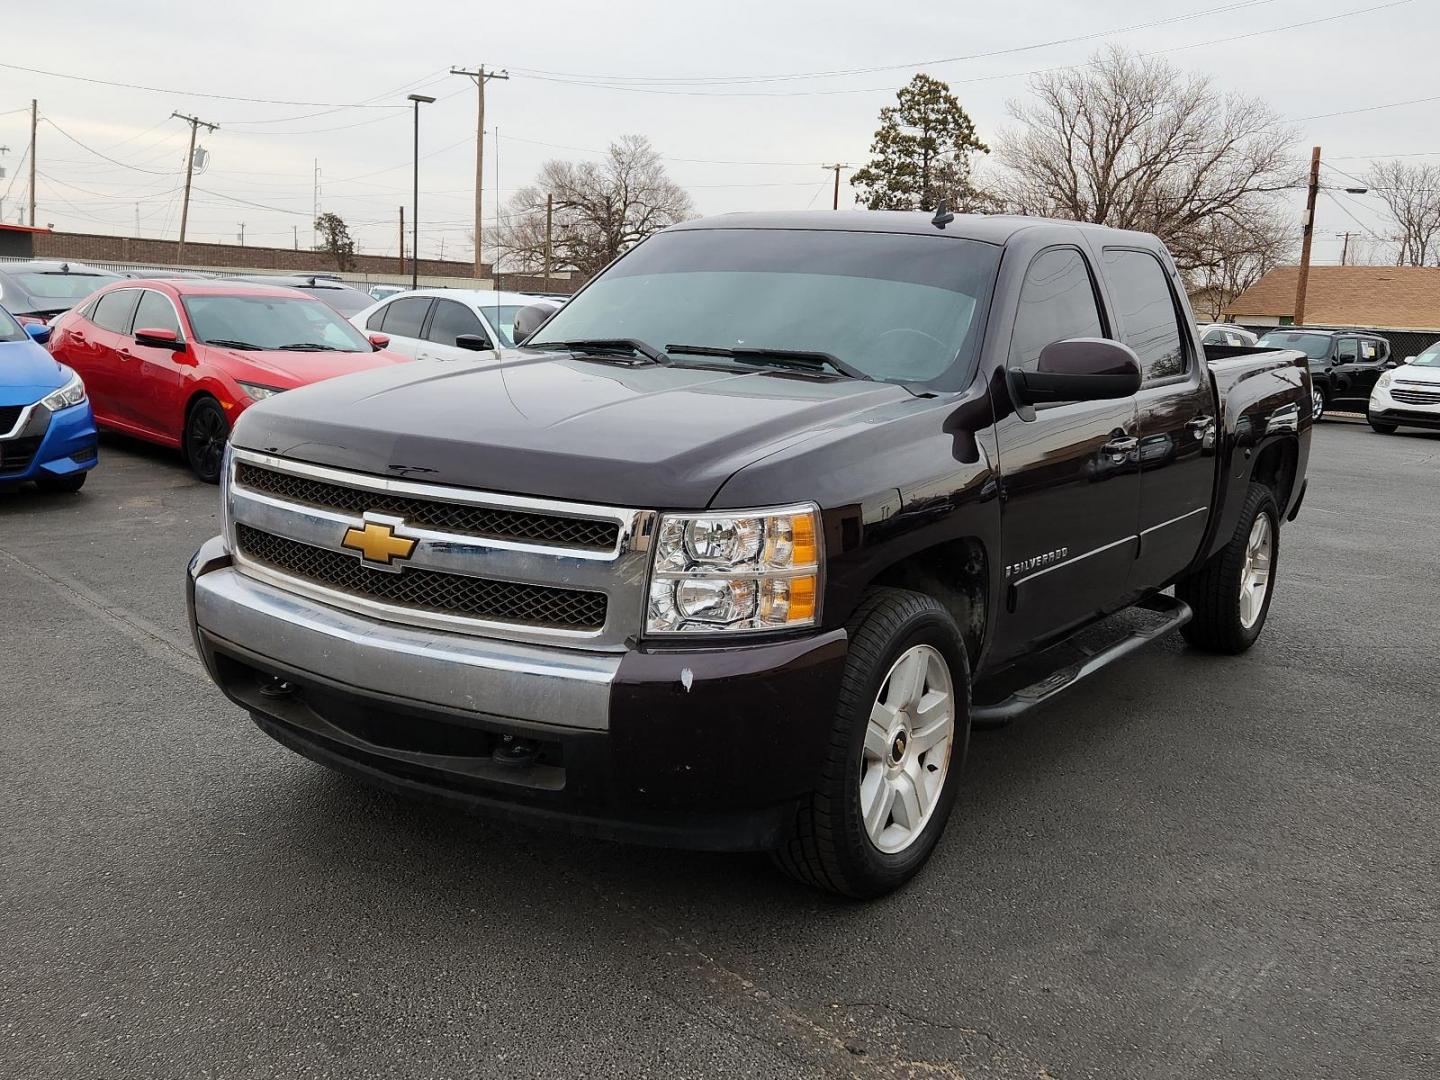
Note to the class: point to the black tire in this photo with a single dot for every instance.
(58, 485)
(206, 432)
(1213, 592)
(829, 847)
(1383, 429)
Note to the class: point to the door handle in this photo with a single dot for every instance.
(124, 352)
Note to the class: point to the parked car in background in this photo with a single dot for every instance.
(445, 324)
(1408, 395)
(346, 299)
(47, 432)
(1227, 334)
(384, 292)
(36, 291)
(1344, 364)
(177, 361)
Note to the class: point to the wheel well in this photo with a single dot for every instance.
(957, 574)
(1275, 468)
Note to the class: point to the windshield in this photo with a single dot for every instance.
(503, 319)
(62, 286)
(1429, 358)
(895, 306)
(10, 330)
(346, 301)
(272, 322)
(1315, 346)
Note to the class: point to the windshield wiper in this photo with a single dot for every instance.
(608, 345)
(229, 343)
(801, 359)
(307, 346)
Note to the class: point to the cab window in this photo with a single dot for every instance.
(1372, 350)
(1148, 316)
(1057, 302)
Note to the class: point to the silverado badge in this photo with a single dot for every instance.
(377, 542)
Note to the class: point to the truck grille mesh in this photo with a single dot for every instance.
(428, 590)
(484, 521)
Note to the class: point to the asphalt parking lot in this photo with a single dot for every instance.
(1191, 867)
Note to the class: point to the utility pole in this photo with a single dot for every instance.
(1304, 282)
(549, 230)
(194, 122)
(480, 77)
(1345, 249)
(835, 203)
(242, 234)
(402, 240)
(295, 232)
(3, 150)
(315, 215)
(34, 124)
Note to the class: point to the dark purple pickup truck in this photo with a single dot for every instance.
(735, 550)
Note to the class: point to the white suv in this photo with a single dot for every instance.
(445, 324)
(1408, 396)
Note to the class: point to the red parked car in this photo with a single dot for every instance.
(177, 361)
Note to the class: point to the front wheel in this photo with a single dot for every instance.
(1317, 403)
(892, 766)
(1230, 594)
(1382, 428)
(206, 432)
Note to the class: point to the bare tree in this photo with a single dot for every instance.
(1135, 143)
(600, 210)
(1411, 192)
(1238, 254)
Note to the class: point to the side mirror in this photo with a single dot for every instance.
(39, 333)
(1080, 369)
(473, 342)
(159, 338)
(1389, 364)
(530, 318)
(378, 341)
(1408, 360)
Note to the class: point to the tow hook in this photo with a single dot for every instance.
(516, 753)
(276, 687)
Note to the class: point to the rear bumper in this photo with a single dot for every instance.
(51, 444)
(695, 748)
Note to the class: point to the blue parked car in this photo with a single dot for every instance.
(47, 432)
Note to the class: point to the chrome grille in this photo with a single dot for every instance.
(1415, 396)
(466, 520)
(428, 590)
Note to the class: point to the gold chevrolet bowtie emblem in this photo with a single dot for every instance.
(378, 543)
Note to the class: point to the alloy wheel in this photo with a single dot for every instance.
(906, 755)
(205, 438)
(1255, 575)
(1317, 404)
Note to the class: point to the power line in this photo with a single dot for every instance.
(1370, 108)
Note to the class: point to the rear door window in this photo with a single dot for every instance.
(404, 318)
(114, 310)
(1347, 351)
(451, 320)
(1149, 317)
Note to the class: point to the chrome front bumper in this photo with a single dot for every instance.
(535, 684)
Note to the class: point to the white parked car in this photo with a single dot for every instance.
(445, 324)
(1226, 334)
(1409, 395)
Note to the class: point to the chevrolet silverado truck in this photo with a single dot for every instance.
(742, 542)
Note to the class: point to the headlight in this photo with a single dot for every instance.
(258, 392)
(749, 570)
(72, 393)
(1383, 382)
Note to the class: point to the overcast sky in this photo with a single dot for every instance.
(737, 143)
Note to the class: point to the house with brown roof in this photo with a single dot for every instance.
(1377, 297)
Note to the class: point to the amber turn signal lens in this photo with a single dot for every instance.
(802, 600)
(805, 552)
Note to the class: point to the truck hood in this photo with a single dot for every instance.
(556, 426)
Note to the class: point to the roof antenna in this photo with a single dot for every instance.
(942, 216)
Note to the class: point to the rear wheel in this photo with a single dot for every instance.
(1231, 593)
(1318, 402)
(892, 767)
(62, 484)
(206, 432)
(1382, 428)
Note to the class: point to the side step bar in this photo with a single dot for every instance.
(1177, 614)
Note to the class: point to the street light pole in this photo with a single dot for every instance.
(418, 99)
